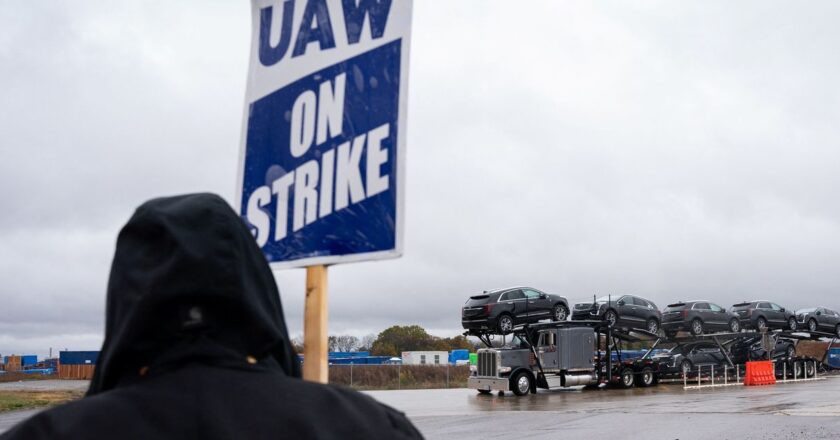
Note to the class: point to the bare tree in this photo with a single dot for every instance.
(366, 343)
(343, 343)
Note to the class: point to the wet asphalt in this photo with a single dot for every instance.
(783, 411)
(804, 410)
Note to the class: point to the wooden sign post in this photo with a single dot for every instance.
(315, 329)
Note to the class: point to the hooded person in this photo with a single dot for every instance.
(196, 345)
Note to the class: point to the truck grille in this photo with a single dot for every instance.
(487, 364)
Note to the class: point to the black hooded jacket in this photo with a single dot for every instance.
(196, 346)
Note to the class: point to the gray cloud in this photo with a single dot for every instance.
(670, 150)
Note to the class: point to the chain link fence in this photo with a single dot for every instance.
(399, 377)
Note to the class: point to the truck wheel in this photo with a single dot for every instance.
(505, 324)
(812, 325)
(809, 370)
(521, 383)
(648, 377)
(792, 323)
(627, 378)
(697, 327)
(734, 326)
(485, 392)
(761, 324)
(560, 312)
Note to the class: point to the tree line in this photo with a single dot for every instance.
(393, 341)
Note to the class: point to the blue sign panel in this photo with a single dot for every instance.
(321, 167)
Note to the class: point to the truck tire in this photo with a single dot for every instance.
(627, 378)
(809, 369)
(485, 392)
(647, 377)
(520, 383)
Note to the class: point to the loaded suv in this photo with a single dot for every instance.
(751, 349)
(621, 311)
(698, 317)
(500, 310)
(819, 319)
(685, 358)
(764, 315)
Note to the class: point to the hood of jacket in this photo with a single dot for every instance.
(188, 283)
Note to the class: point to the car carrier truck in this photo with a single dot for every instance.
(561, 354)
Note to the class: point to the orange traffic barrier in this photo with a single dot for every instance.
(760, 373)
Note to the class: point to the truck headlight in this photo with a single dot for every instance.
(473, 368)
(504, 369)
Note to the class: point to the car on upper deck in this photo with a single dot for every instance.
(764, 315)
(502, 309)
(819, 319)
(698, 317)
(622, 311)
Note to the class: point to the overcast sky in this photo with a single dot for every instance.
(673, 150)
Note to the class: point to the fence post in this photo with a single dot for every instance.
(699, 375)
(447, 375)
(784, 372)
(725, 375)
(713, 375)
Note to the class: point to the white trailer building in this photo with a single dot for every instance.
(425, 357)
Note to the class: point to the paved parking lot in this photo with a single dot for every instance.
(801, 410)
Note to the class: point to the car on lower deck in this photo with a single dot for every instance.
(750, 349)
(819, 319)
(502, 309)
(764, 315)
(685, 358)
(698, 317)
(622, 311)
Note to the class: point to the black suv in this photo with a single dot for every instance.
(685, 358)
(500, 310)
(621, 311)
(750, 349)
(819, 319)
(761, 315)
(698, 317)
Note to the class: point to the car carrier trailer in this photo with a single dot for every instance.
(556, 355)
